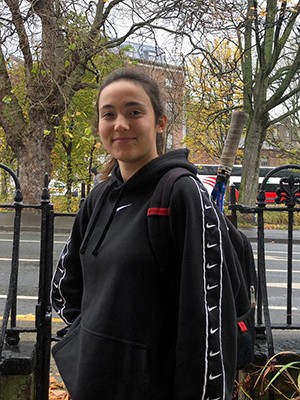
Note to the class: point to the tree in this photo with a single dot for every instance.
(271, 64)
(56, 41)
(266, 35)
(284, 136)
(211, 97)
(6, 158)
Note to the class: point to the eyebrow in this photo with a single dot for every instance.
(129, 104)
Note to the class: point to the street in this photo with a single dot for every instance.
(276, 265)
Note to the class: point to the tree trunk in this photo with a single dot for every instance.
(254, 140)
(34, 162)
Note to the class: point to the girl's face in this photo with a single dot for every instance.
(127, 125)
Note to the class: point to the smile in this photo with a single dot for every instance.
(123, 139)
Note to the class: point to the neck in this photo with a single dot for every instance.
(129, 169)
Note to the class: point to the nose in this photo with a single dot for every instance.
(121, 123)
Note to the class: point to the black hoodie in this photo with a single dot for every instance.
(132, 336)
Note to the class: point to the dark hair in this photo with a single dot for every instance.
(152, 90)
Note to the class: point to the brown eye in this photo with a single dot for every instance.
(135, 112)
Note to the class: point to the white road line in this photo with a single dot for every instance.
(282, 285)
(32, 241)
(282, 308)
(21, 259)
(273, 258)
(280, 252)
(283, 271)
(4, 296)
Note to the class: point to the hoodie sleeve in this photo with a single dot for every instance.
(209, 283)
(67, 284)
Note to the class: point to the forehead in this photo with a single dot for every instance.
(123, 91)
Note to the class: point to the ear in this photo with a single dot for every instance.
(161, 124)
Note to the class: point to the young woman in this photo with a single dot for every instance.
(133, 336)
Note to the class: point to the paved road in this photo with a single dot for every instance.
(29, 272)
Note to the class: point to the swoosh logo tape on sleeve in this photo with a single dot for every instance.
(213, 377)
(210, 266)
(210, 287)
(213, 354)
(208, 226)
(211, 308)
(210, 245)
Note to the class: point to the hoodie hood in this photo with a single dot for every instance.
(146, 177)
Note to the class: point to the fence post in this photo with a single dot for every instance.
(43, 307)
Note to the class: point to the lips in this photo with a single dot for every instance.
(122, 139)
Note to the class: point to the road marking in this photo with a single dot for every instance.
(282, 308)
(282, 285)
(281, 270)
(280, 252)
(21, 259)
(4, 296)
(32, 241)
(272, 258)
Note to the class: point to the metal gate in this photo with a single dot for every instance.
(288, 198)
(287, 201)
(10, 330)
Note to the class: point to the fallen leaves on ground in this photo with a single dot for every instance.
(57, 390)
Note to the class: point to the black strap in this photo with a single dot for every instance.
(158, 217)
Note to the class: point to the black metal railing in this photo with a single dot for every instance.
(288, 197)
(10, 330)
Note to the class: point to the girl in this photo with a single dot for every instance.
(133, 335)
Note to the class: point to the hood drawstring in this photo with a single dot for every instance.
(95, 220)
(104, 232)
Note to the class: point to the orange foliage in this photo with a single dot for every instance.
(57, 390)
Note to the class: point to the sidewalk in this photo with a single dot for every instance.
(272, 235)
(31, 222)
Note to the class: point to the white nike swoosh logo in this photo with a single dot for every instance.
(206, 206)
(208, 226)
(212, 331)
(120, 208)
(60, 300)
(213, 354)
(210, 266)
(212, 377)
(210, 287)
(210, 245)
(216, 398)
(211, 308)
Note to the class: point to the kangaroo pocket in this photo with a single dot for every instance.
(100, 367)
